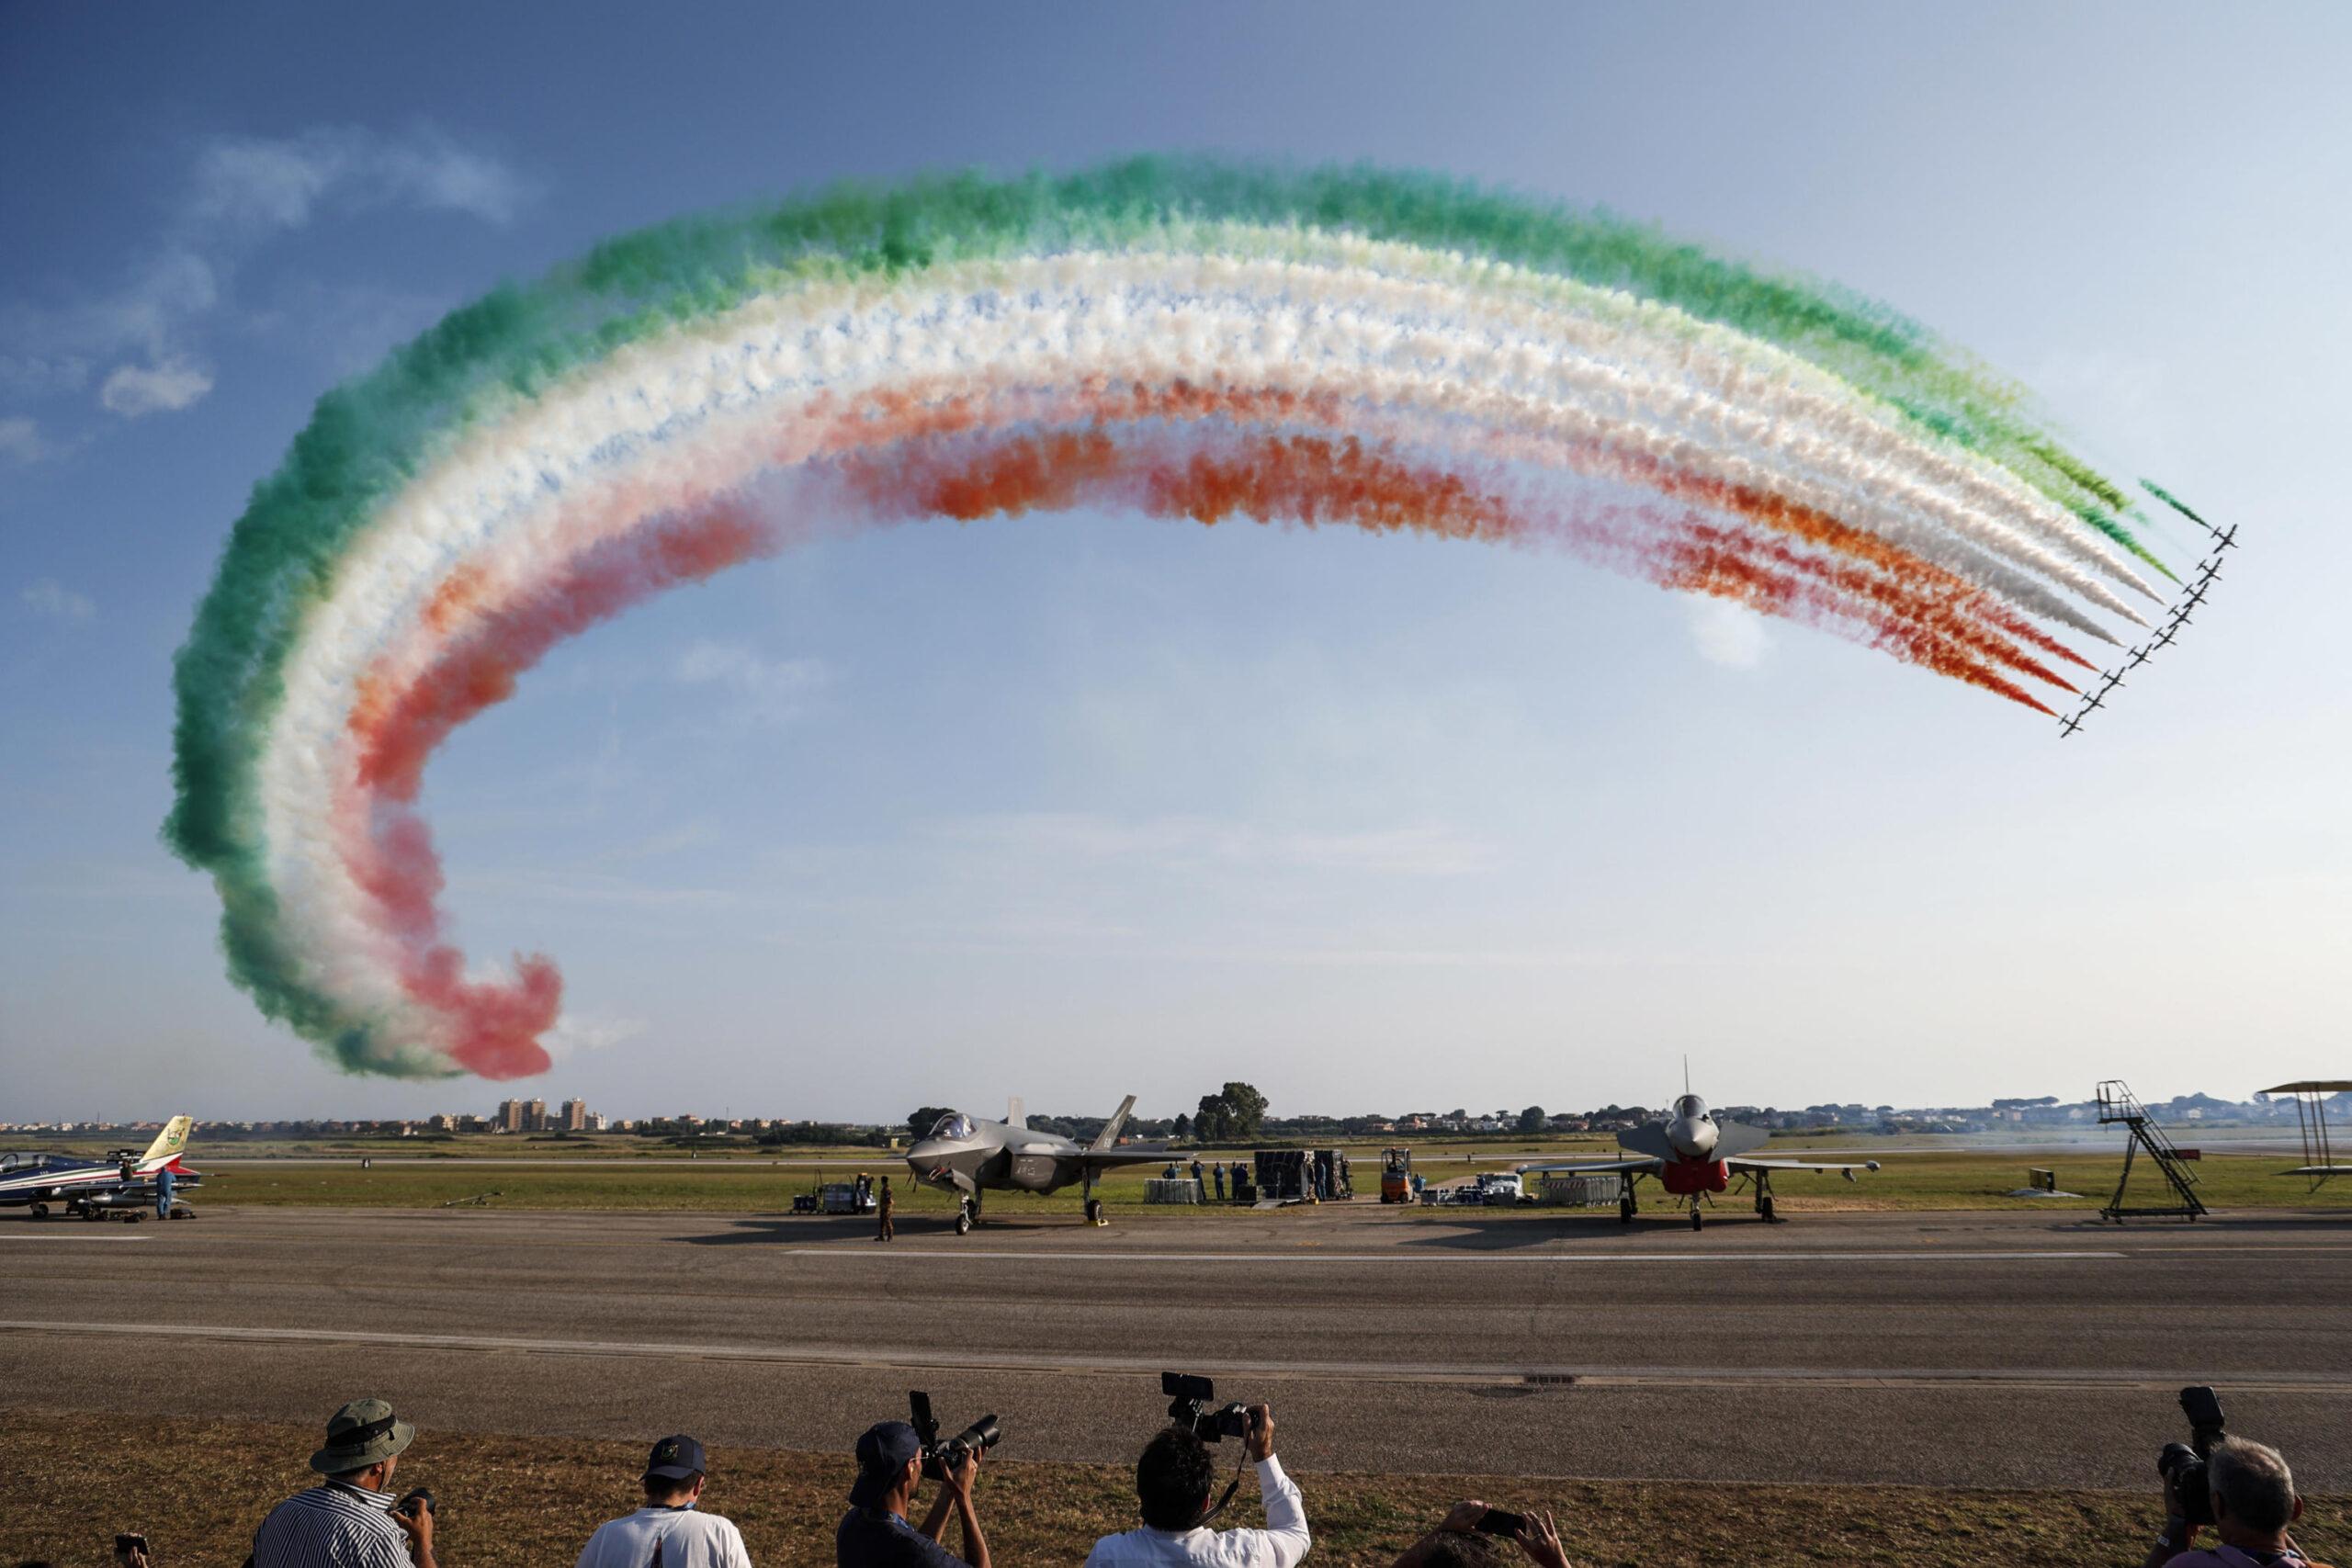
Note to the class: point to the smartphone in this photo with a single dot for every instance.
(1500, 1521)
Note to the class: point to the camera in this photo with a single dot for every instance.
(415, 1503)
(1501, 1521)
(1192, 1406)
(2183, 1464)
(939, 1458)
(124, 1545)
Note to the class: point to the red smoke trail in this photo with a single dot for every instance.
(496, 1026)
(910, 457)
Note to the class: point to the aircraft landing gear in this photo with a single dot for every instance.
(964, 1216)
(1625, 1210)
(1697, 1219)
(41, 1211)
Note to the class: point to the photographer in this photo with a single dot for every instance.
(1466, 1538)
(2252, 1501)
(670, 1526)
(875, 1532)
(352, 1520)
(1173, 1482)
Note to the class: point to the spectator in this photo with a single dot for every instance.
(1457, 1543)
(1218, 1169)
(669, 1529)
(1199, 1185)
(875, 1532)
(165, 1182)
(1173, 1483)
(2254, 1500)
(1170, 1174)
(350, 1520)
(884, 1229)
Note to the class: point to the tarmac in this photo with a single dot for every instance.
(1997, 1350)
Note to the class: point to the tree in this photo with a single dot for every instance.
(923, 1121)
(1181, 1127)
(1531, 1119)
(1233, 1114)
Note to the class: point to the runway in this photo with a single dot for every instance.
(1992, 1349)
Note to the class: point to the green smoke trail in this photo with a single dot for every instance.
(369, 438)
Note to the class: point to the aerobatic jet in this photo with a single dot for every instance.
(2197, 592)
(2070, 724)
(2163, 639)
(2225, 541)
(2091, 700)
(94, 1189)
(2139, 657)
(1693, 1154)
(968, 1156)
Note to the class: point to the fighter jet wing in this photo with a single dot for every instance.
(1740, 1163)
(1104, 1159)
(1592, 1166)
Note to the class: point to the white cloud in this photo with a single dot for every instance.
(244, 190)
(1727, 634)
(20, 441)
(280, 183)
(134, 391)
(574, 1034)
(773, 691)
(53, 601)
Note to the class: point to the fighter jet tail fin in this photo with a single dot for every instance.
(169, 1145)
(1108, 1138)
(1016, 1113)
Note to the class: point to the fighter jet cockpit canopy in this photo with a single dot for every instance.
(1690, 1105)
(955, 1127)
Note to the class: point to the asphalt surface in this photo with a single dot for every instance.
(1992, 1350)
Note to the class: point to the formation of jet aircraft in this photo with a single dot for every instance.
(93, 1189)
(969, 1156)
(1692, 1153)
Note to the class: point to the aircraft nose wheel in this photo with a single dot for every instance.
(41, 1211)
(1697, 1219)
(963, 1219)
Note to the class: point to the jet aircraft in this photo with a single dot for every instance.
(2070, 724)
(2196, 596)
(2139, 657)
(968, 1156)
(2092, 700)
(93, 1189)
(2163, 639)
(1691, 1154)
(2225, 540)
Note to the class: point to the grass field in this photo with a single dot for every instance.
(1921, 1181)
(197, 1488)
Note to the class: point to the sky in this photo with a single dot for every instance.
(1080, 805)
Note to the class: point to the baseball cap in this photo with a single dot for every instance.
(882, 1453)
(676, 1458)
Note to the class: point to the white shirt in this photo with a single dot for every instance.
(1280, 1545)
(688, 1538)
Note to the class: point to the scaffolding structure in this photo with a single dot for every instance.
(2116, 1105)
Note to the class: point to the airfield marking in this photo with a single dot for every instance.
(2022, 1255)
(62, 1233)
(954, 1359)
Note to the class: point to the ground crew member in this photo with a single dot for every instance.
(885, 1230)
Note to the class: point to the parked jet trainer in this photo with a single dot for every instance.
(968, 1156)
(1692, 1154)
(94, 1189)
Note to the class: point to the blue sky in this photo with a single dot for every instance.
(1078, 806)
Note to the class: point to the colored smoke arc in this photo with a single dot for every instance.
(1171, 337)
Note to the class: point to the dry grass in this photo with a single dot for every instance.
(197, 1488)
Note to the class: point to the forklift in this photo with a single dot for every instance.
(1396, 1176)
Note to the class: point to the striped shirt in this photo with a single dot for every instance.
(332, 1525)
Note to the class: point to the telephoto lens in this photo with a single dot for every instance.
(2184, 1474)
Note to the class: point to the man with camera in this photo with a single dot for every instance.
(669, 1528)
(875, 1532)
(1468, 1538)
(1173, 1482)
(2248, 1497)
(351, 1519)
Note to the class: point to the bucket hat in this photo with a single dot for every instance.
(362, 1433)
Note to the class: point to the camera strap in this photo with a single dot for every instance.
(1230, 1488)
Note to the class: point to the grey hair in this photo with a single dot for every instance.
(2253, 1480)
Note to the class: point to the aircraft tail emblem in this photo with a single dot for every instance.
(169, 1145)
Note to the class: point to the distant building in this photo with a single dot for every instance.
(535, 1116)
(573, 1116)
(595, 1121)
(510, 1116)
